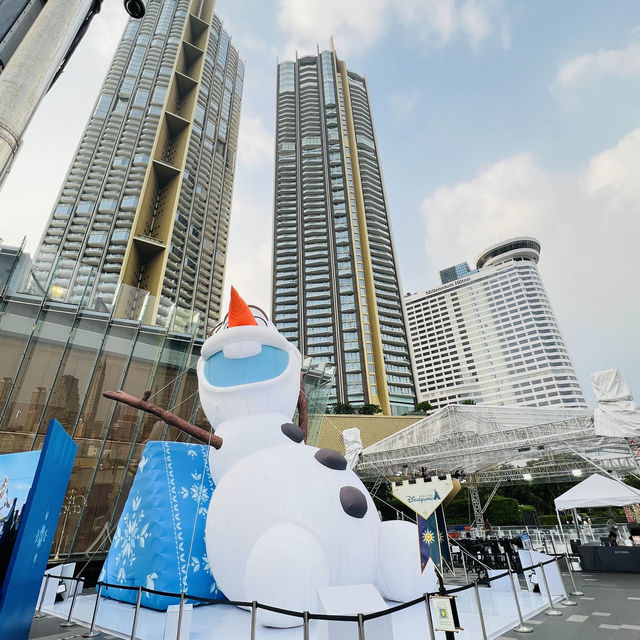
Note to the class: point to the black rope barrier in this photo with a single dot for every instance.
(309, 615)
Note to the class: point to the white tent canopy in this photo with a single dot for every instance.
(597, 491)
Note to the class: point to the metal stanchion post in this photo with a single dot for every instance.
(567, 602)
(575, 591)
(135, 614)
(92, 633)
(68, 622)
(464, 566)
(432, 633)
(551, 611)
(305, 624)
(522, 627)
(360, 627)
(39, 613)
(254, 607)
(180, 613)
(479, 603)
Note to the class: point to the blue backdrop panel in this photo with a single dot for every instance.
(159, 542)
(40, 514)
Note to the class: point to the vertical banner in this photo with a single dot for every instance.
(445, 550)
(21, 586)
(429, 542)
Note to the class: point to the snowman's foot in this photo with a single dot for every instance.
(285, 567)
(398, 574)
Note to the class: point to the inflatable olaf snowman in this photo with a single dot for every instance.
(287, 518)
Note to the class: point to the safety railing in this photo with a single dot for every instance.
(359, 618)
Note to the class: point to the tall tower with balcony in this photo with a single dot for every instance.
(336, 291)
(142, 219)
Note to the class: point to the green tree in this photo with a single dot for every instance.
(424, 406)
(343, 408)
(369, 409)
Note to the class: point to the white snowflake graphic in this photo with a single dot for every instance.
(189, 488)
(197, 492)
(132, 534)
(41, 536)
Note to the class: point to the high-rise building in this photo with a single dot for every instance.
(454, 273)
(336, 292)
(142, 218)
(491, 336)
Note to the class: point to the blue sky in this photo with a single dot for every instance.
(493, 118)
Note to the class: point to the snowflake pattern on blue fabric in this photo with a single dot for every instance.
(159, 542)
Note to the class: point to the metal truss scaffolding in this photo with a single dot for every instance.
(491, 444)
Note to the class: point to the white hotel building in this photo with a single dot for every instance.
(491, 336)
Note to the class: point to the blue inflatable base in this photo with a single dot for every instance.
(159, 542)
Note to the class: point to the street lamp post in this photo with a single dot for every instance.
(74, 503)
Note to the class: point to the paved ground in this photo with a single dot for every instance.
(48, 628)
(609, 610)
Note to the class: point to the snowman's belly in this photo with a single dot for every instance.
(289, 485)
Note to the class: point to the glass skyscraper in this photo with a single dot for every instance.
(142, 219)
(336, 292)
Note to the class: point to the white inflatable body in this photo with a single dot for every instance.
(287, 518)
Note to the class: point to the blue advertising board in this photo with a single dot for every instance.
(21, 585)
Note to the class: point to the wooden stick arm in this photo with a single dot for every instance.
(170, 418)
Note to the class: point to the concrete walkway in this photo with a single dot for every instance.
(48, 628)
(609, 610)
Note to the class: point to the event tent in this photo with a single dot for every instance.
(597, 491)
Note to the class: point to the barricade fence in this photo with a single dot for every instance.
(306, 616)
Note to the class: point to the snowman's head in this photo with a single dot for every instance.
(247, 367)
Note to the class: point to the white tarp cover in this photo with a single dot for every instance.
(617, 415)
(597, 491)
(352, 446)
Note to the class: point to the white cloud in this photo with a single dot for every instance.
(403, 104)
(248, 265)
(355, 24)
(613, 62)
(474, 21)
(255, 143)
(588, 223)
(106, 29)
(358, 24)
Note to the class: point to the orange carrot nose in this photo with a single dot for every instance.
(239, 312)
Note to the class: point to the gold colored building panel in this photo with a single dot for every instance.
(372, 428)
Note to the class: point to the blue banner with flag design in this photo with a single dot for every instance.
(429, 542)
(445, 550)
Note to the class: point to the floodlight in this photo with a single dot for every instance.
(527, 476)
(576, 472)
(135, 8)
